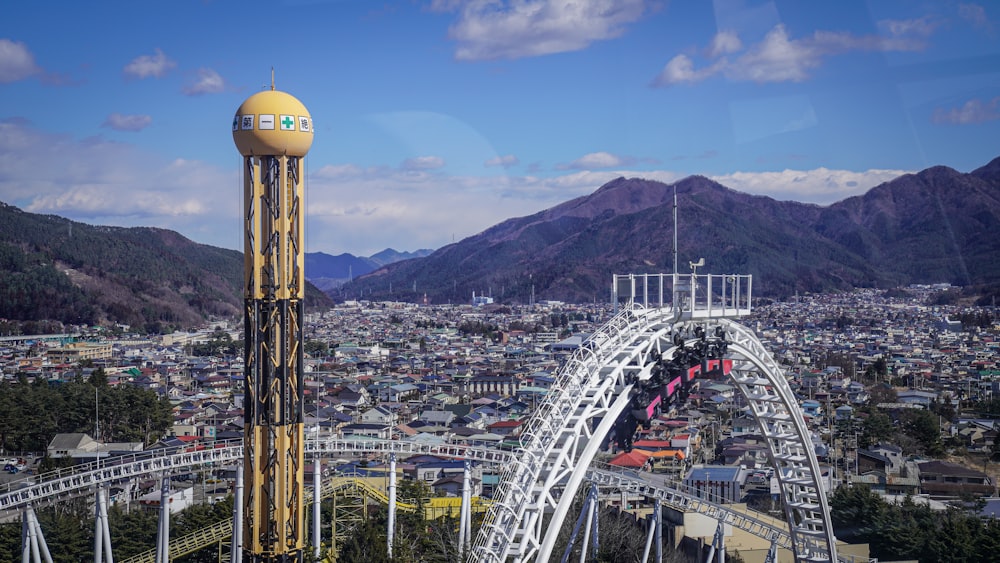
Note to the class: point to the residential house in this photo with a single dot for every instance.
(379, 415)
(945, 479)
(437, 418)
(380, 431)
(509, 427)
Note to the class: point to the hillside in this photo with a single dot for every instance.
(935, 226)
(52, 268)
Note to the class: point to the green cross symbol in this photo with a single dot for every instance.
(287, 122)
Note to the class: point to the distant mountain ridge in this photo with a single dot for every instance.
(52, 268)
(938, 225)
(328, 272)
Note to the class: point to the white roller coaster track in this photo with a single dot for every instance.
(61, 485)
(589, 394)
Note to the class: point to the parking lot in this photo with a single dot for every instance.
(25, 467)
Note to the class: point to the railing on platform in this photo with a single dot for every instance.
(694, 295)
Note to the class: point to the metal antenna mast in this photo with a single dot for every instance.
(675, 229)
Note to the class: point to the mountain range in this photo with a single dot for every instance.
(328, 272)
(55, 269)
(938, 225)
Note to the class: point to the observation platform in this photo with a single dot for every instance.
(693, 296)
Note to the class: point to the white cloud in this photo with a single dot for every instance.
(775, 59)
(334, 172)
(506, 161)
(16, 61)
(976, 15)
(364, 211)
(918, 27)
(598, 160)
(206, 81)
(724, 43)
(423, 163)
(680, 69)
(122, 122)
(821, 185)
(513, 29)
(780, 58)
(144, 66)
(972, 111)
(102, 182)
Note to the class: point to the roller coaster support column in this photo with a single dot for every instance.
(317, 498)
(390, 535)
(592, 516)
(465, 514)
(658, 522)
(33, 546)
(163, 532)
(102, 532)
(654, 524)
(772, 553)
(27, 535)
(332, 552)
(718, 550)
(586, 513)
(655, 533)
(236, 548)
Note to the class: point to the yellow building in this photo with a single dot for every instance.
(77, 352)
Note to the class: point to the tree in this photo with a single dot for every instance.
(442, 540)
(880, 369)
(882, 393)
(954, 540)
(69, 527)
(988, 541)
(923, 427)
(846, 362)
(857, 513)
(367, 543)
(944, 407)
(875, 428)
(316, 348)
(132, 533)
(907, 529)
(33, 413)
(99, 378)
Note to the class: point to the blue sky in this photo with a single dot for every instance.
(436, 119)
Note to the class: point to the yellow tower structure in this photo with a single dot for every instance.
(273, 131)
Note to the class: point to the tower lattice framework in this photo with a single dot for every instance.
(273, 410)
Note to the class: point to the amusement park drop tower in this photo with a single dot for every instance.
(273, 131)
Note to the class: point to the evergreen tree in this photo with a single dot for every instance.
(367, 543)
(858, 514)
(132, 533)
(923, 426)
(988, 541)
(877, 427)
(954, 540)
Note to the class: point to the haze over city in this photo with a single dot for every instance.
(435, 120)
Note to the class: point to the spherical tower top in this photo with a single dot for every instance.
(272, 123)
